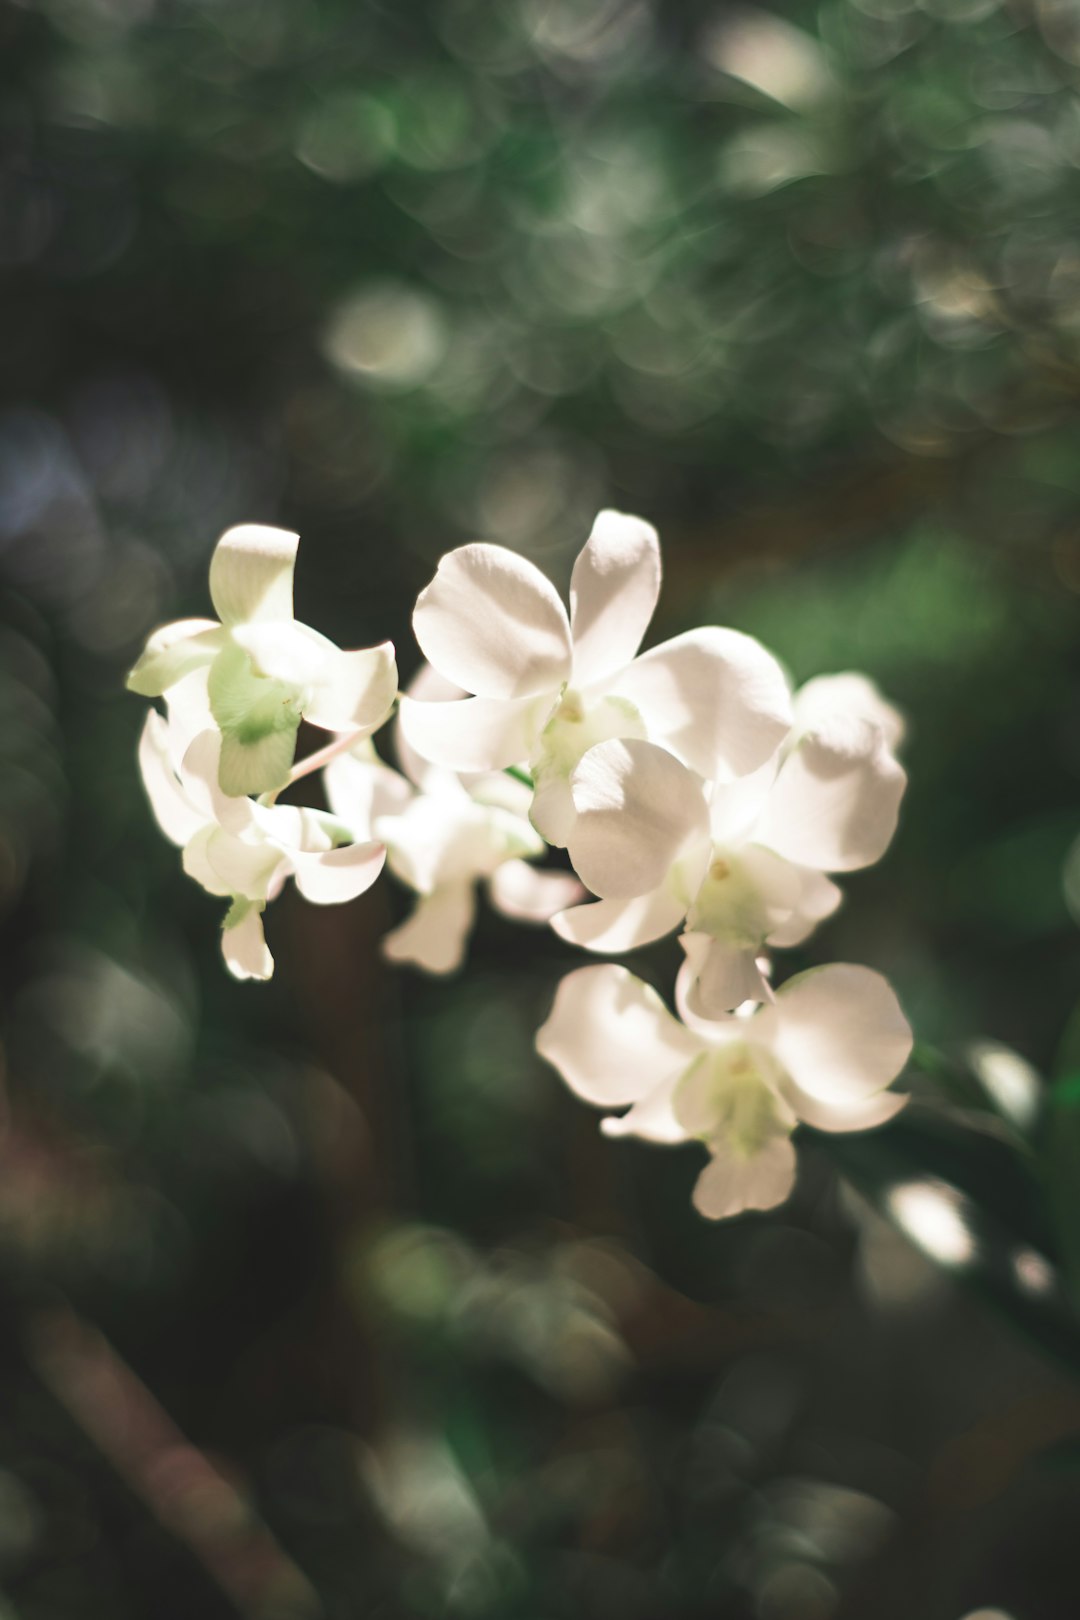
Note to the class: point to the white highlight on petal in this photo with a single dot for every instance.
(638, 811)
(473, 734)
(836, 800)
(614, 926)
(714, 697)
(251, 574)
(522, 892)
(611, 1037)
(839, 1032)
(493, 623)
(613, 592)
(732, 1183)
(245, 950)
(434, 936)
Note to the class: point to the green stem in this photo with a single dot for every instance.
(519, 775)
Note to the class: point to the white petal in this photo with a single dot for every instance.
(839, 1033)
(174, 812)
(520, 891)
(197, 865)
(611, 1037)
(613, 592)
(653, 1118)
(474, 734)
(354, 690)
(862, 1115)
(251, 574)
(360, 788)
(433, 843)
(490, 621)
(714, 697)
(614, 926)
(426, 686)
(244, 948)
(850, 694)
(199, 772)
(638, 812)
(836, 800)
(244, 869)
(818, 899)
(434, 936)
(188, 707)
(337, 875)
(717, 978)
(173, 652)
(731, 1183)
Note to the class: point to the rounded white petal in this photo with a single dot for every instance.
(360, 788)
(861, 1115)
(244, 948)
(714, 697)
(493, 623)
(426, 686)
(652, 1119)
(432, 842)
(717, 977)
(243, 868)
(199, 776)
(731, 1183)
(613, 592)
(174, 812)
(838, 1031)
(173, 652)
(337, 875)
(818, 899)
(354, 691)
(836, 800)
(434, 936)
(611, 1037)
(638, 812)
(613, 926)
(251, 574)
(473, 734)
(522, 892)
(851, 694)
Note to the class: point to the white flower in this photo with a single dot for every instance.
(548, 687)
(822, 1053)
(266, 671)
(240, 850)
(744, 862)
(443, 841)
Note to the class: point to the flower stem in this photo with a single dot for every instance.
(322, 756)
(519, 775)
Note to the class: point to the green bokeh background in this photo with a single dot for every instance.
(323, 1297)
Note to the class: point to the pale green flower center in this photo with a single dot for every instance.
(576, 726)
(727, 1097)
(729, 905)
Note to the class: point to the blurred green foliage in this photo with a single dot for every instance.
(803, 287)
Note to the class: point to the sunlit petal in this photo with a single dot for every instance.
(251, 574)
(611, 1037)
(493, 623)
(613, 592)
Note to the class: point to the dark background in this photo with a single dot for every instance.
(323, 1297)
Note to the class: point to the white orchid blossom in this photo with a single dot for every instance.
(236, 848)
(443, 839)
(822, 1053)
(743, 862)
(547, 687)
(266, 671)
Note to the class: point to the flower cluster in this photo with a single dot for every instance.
(688, 786)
